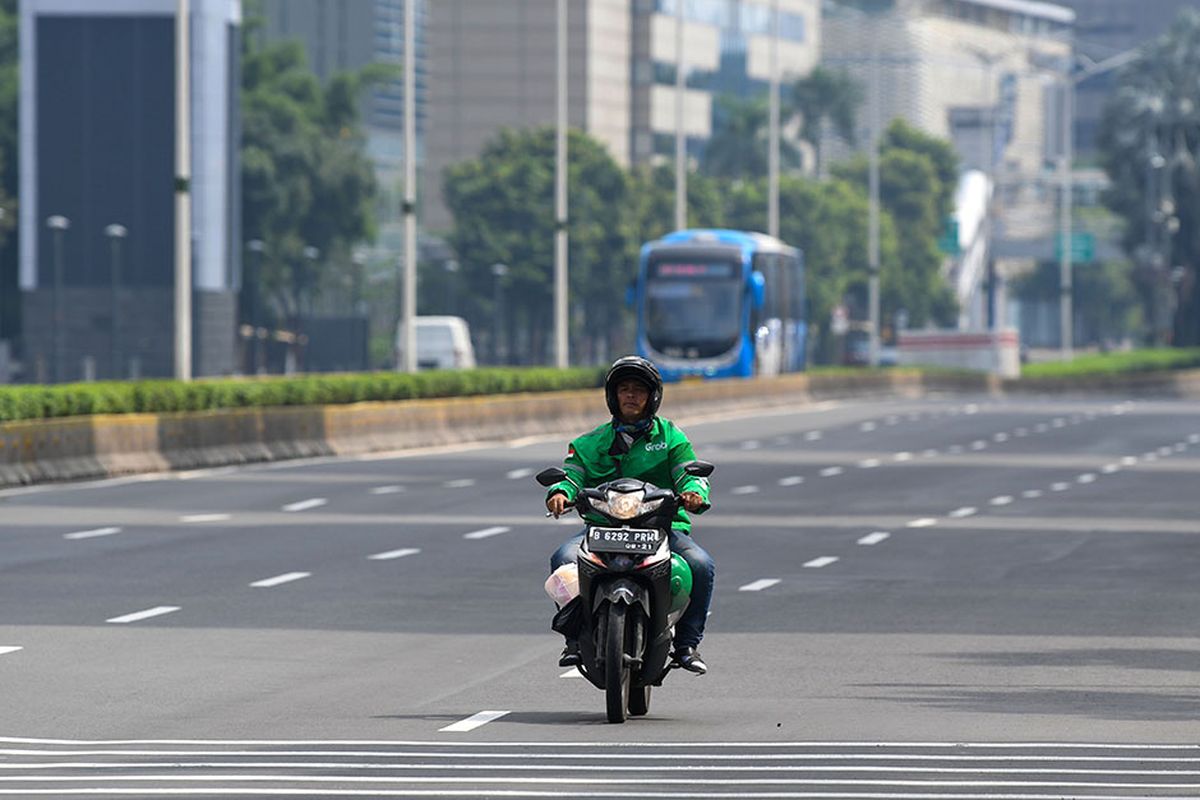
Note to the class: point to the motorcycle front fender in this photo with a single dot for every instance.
(622, 590)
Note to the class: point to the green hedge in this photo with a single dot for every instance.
(1115, 363)
(76, 399)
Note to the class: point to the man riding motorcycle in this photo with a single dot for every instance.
(639, 444)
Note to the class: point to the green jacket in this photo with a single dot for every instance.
(656, 457)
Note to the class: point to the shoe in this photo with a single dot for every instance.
(570, 655)
(689, 658)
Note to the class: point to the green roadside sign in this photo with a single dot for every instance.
(1083, 247)
(948, 242)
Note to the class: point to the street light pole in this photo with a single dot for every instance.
(680, 137)
(873, 211)
(561, 342)
(115, 234)
(773, 153)
(259, 341)
(59, 225)
(1065, 210)
(183, 198)
(409, 336)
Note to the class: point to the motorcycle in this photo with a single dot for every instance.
(631, 588)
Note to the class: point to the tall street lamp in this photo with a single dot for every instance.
(58, 224)
(254, 286)
(498, 271)
(115, 234)
(680, 136)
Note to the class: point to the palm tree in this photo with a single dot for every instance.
(738, 147)
(826, 95)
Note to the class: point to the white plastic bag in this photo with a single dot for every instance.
(563, 584)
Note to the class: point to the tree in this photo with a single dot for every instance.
(503, 208)
(738, 147)
(308, 187)
(917, 176)
(825, 95)
(1150, 146)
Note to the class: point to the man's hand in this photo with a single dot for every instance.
(692, 501)
(556, 504)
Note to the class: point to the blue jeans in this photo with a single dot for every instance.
(690, 628)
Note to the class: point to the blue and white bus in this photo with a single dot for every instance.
(721, 303)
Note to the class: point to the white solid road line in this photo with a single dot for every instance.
(461, 483)
(287, 577)
(205, 517)
(157, 611)
(305, 505)
(791, 480)
(393, 489)
(92, 533)
(474, 721)
(759, 585)
(965, 511)
(873, 538)
(744, 490)
(517, 474)
(923, 522)
(486, 532)
(6, 649)
(830, 472)
(823, 561)
(390, 554)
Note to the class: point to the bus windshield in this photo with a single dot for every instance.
(693, 310)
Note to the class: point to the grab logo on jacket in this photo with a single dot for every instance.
(650, 446)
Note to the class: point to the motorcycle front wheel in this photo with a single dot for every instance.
(617, 676)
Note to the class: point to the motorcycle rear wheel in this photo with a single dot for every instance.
(639, 701)
(617, 676)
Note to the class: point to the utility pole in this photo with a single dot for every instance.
(873, 211)
(183, 197)
(680, 138)
(561, 341)
(773, 154)
(409, 315)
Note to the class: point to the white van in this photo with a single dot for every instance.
(442, 343)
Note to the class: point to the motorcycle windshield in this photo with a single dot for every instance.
(690, 318)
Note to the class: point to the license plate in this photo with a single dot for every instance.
(624, 540)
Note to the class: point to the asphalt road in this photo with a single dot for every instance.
(936, 598)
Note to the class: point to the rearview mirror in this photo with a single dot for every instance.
(551, 476)
(699, 469)
(758, 289)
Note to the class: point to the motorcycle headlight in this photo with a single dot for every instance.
(621, 505)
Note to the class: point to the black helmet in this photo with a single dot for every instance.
(639, 369)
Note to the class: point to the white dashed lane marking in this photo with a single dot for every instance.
(474, 721)
(1059, 487)
(1109, 469)
(965, 511)
(812, 436)
(1129, 461)
(92, 533)
(287, 577)
(1087, 477)
(873, 538)
(487, 532)
(903, 457)
(1031, 494)
(393, 489)
(6, 649)
(823, 561)
(572, 673)
(923, 522)
(830, 472)
(1002, 500)
(461, 483)
(390, 554)
(791, 480)
(137, 616)
(516, 474)
(867, 427)
(305, 505)
(869, 463)
(745, 490)
(759, 585)
(206, 518)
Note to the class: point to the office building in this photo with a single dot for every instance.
(97, 212)
(339, 36)
(493, 65)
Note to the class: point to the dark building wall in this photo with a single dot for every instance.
(106, 133)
